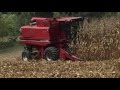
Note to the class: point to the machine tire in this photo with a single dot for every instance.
(51, 53)
(26, 55)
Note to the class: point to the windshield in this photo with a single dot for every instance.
(65, 27)
(70, 29)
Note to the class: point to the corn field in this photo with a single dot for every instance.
(99, 40)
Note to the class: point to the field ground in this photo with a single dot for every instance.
(11, 66)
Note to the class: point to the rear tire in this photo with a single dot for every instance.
(51, 53)
(26, 55)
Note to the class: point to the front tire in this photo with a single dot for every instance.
(26, 55)
(51, 53)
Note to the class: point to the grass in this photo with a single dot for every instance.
(13, 48)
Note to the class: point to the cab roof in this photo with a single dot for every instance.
(68, 18)
(58, 19)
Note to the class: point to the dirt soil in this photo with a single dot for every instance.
(11, 66)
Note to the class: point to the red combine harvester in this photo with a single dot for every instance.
(48, 38)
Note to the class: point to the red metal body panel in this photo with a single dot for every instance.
(64, 54)
(35, 32)
(35, 42)
(49, 32)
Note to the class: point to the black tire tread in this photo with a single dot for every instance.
(27, 53)
(54, 51)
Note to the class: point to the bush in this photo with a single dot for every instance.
(9, 25)
(6, 44)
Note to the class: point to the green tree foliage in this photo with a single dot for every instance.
(9, 25)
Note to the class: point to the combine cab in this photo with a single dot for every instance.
(48, 38)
